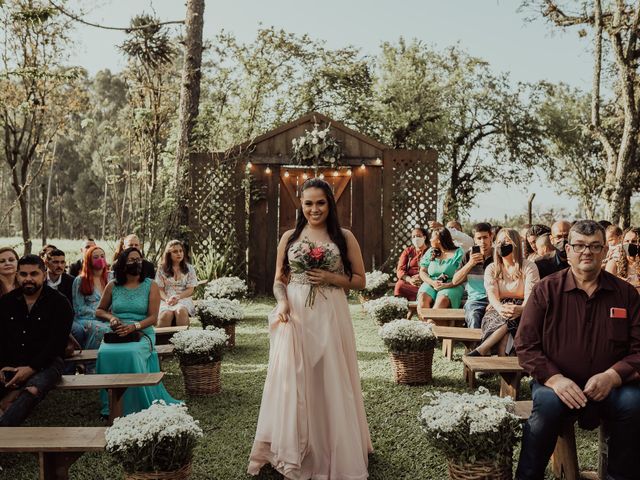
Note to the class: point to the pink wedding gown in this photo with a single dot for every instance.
(312, 422)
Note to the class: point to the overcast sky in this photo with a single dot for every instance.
(491, 29)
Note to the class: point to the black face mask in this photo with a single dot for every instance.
(133, 268)
(505, 249)
(631, 249)
(560, 246)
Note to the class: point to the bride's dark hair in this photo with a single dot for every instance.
(333, 226)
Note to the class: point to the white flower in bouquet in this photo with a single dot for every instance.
(322, 134)
(159, 438)
(404, 335)
(471, 426)
(376, 282)
(226, 287)
(385, 309)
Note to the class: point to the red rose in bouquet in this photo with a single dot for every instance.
(309, 256)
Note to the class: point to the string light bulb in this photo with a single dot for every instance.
(362, 167)
(268, 170)
(335, 174)
(286, 173)
(305, 176)
(378, 161)
(249, 165)
(349, 172)
(321, 176)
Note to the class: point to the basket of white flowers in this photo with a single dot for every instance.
(385, 309)
(200, 354)
(377, 285)
(156, 443)
(410, 344)
(222, 313)
(476, 432)
(226, 287)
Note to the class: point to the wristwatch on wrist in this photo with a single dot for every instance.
(138, 326)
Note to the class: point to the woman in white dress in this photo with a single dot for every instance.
(177, 280)
(312, 422)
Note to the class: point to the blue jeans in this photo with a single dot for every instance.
(44, 380)
(474, 311)
(620, 411)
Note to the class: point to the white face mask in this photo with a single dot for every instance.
(418, 242)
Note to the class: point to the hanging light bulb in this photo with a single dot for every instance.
(362, 167)
(321, 176)
(305, 176)
(349, 172)
(378, 161)
(286, 173)
(268, 170)
(249, 165)
(336, 173)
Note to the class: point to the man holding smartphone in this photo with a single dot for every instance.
(579, 339)
(475, 262)
(35, 321)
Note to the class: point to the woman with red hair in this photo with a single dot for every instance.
(87, 292)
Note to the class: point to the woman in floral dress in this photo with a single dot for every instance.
(176, 279)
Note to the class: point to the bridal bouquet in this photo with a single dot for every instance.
(309, 256)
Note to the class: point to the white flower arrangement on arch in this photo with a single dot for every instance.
(403, 336)
(385, 309)
(219, 312)
(377, 283)
(195, 346)
(226, 287)
(317, 147)
(471, 427)
(160, 438)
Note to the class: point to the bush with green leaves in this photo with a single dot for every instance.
(160, 438)
(404, 335)
(471, 427)
(195, 346)
(219, 312)
(385, 309)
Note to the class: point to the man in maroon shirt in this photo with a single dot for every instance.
(579, 339)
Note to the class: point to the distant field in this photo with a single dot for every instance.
(70, 247)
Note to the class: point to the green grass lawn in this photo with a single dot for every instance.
(229, 419)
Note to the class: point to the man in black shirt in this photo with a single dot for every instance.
(557, 261)
(35, 321)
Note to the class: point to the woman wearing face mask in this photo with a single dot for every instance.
(508, 282)
(408, 269)
(437, 267)
(130, 304)
(626, 265)
(87, 291)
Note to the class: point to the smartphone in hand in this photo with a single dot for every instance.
(475, 249)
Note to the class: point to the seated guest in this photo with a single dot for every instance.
(508, 281)
(437, 267)
(627, 264)
(76, 267)
(558, 261)
(534, 231)
(130, 304)
(544, 248)
(87, 291)
(8, 270)
(614, 241)
(579, 339)
(34, 325)
(475, 263)
(176, 279)
(132, 241)
(408, 269)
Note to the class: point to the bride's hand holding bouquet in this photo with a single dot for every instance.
(315, 261)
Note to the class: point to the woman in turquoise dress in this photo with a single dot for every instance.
(130, 303)
(86, 293)
(437, 267)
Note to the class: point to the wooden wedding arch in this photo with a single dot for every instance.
(247, 197)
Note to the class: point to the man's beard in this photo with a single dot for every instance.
(30, 288)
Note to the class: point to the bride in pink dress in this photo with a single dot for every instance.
(312, 422)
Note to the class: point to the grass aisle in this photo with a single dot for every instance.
(229, 419)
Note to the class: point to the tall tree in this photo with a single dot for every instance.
(36, 94)
(189, 106)
(615, 28)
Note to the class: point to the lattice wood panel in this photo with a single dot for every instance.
(217, 205)
(410, 197)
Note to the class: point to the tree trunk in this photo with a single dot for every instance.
(24, 221)
(189, 103)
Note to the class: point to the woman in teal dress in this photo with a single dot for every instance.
(437, 267)
(130, 303)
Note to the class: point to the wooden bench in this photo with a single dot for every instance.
(57, 447)
(507, 367)
(163, 334)
(469, 337)
(115, 384)
(80, 356)
(443, 317)
(564, 461)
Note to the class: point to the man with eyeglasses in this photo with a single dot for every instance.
(558, 261)
(579, 339)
